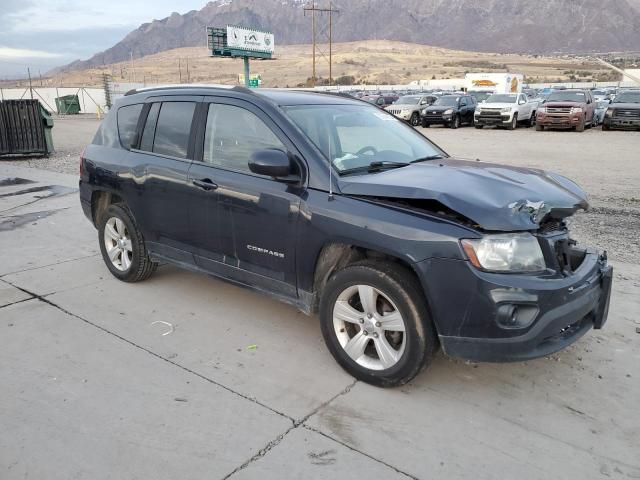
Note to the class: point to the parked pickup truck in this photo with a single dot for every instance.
(506, 110)
(566, 109)
(339, 208)
(624, 111)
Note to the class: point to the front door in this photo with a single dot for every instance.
(256, 216)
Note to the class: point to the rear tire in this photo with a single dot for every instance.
(123, 249)
(406, 345)
(415, 119)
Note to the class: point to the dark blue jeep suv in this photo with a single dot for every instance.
(337, 207)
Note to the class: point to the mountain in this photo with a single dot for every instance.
(502, 26)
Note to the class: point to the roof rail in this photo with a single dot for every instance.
(186, 85)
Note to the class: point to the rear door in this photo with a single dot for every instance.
(253, 239)
(163, 155)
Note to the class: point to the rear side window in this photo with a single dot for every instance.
(127, 122)
(173, 129)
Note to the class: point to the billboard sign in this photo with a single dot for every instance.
(251, 40)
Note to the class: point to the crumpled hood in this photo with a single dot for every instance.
(496, 197)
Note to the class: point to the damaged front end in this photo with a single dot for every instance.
(526, 289)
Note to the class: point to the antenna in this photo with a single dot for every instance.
(330, 169)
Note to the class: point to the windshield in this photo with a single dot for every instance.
(565, 96)
(408, 101)
(355, 136)
(627, 97)
(500, 98)
(481, 96)
(447, 101)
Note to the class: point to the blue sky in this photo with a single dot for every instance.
(43, 34)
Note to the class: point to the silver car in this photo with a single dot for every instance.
(408, 107)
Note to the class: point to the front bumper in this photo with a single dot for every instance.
(437, 119)
(488, 119)
(555, 120)
(467, 305)
(617, 122)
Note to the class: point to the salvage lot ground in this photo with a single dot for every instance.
(93, 387)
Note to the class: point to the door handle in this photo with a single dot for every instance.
(205, 184)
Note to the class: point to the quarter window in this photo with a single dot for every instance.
(233, 134)
(127, 123)
(173, 129)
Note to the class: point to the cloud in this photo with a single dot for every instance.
(21, 53)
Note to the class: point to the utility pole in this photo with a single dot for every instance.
(30, 87)
(133, 72)
(330, 10)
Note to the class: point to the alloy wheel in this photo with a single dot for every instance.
(118, 244)
(369, 327)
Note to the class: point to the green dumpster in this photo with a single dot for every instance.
(68, 105)
(47, 124)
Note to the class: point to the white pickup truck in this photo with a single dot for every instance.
(506, 110)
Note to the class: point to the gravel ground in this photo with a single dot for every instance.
(604, 163)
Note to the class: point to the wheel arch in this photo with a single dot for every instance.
(336, 255)
(100, 201)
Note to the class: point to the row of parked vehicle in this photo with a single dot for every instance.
(560, 108)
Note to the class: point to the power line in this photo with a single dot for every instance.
(330, 10)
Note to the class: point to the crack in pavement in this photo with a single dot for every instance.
(150, 352)
(47, 265)
(296, 424)
(339, 442)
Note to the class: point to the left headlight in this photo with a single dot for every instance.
(423, 111)
(609, 112)
(517, 252)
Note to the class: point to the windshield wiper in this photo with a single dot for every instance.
(377, 166)
(426, 159)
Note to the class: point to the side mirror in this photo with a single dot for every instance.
(272, 163)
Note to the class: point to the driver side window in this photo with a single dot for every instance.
(233, 134)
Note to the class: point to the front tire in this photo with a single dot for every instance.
(455, 123)
(122, 246)
(581, 125)
(376, 324)
(539, 127)
(514, 122)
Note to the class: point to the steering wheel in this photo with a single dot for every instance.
(368, 148)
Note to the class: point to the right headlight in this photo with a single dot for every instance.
(505, 109)
(508, 252)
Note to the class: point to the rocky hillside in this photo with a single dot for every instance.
(524, 26)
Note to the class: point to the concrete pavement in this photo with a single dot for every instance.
(102, 379)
